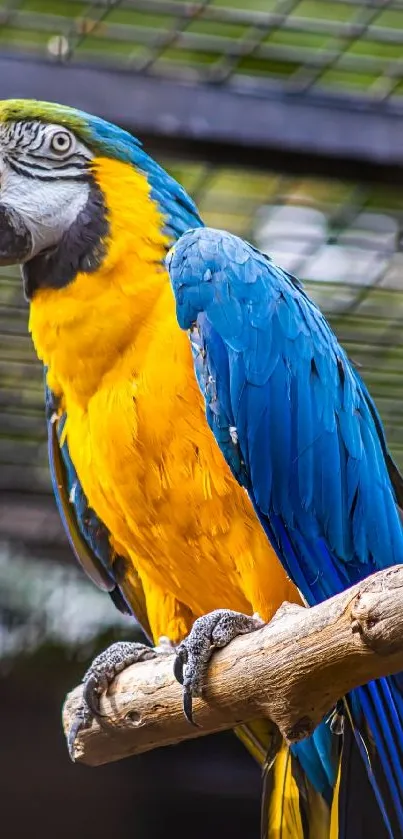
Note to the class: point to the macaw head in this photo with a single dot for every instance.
(55, 212)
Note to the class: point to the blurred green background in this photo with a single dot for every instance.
(333, 221)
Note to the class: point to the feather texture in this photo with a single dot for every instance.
(284, 807)
(310, 442)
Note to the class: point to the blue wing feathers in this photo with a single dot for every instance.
(316, 463)
(257, 451)
(301, 375)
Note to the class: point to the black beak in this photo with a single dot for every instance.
(15, 238)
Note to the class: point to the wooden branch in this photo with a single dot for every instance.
(293, 671)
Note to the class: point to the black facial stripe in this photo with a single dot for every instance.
(29, 136)
(37, 172)
(16, 167)
(81, 249)
(42, 167)
(32, 141)
(37, 140)
(53, 157)
(56, 164)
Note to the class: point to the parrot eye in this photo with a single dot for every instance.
(61, 142)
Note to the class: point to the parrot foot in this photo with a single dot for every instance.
(208, 633)
(99, 676)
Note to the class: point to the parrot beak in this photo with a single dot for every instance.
(15, 239)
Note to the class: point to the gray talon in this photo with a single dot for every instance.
(82, 719)
(92, 690)
(179, 663)
(97, 679)
(208, 633)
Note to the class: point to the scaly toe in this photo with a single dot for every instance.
(97, 679)
(208, 633)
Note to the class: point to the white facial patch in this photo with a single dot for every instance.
(48, 208)
(41, 178)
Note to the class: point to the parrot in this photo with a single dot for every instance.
(213, 452)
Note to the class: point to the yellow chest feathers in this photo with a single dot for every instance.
(123, 370)
(82, 330)
(136, 428)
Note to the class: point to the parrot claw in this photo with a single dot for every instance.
(208, 633)
(97, 679)
(82, 719)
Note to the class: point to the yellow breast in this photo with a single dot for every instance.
(136, 427)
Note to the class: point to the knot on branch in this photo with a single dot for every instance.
(371, 609)
(365, 622)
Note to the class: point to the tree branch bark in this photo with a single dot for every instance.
(293, 671)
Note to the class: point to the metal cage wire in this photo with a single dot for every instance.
(336, 45)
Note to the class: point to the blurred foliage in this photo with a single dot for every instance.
(45, 606)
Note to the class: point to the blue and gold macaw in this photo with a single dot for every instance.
(150, 462)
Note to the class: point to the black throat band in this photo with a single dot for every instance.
(81, 249)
